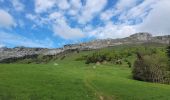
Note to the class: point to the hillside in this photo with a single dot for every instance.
(11, 54)
(71, 79)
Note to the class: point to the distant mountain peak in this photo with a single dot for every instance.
(143, 36)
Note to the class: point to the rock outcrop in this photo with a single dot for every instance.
(138, 38)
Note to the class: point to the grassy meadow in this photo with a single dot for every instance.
(69, 79)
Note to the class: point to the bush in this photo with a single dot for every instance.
(168, 54)
(96, 57)
(117, 55)
(151, 69)
(128, 63)
(168, 51)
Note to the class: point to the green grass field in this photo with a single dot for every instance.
(75, 80)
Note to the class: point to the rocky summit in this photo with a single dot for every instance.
(138, 38)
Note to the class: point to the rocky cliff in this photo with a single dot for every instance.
(138, 38)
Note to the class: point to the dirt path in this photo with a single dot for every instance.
(99, 94)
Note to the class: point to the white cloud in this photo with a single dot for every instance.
(67, 32)
(75, 6)
(44, 5)
(57, 19)
(139, 11)
(155, 16)
(2, 45)
(107, 15)
(6, 20)
(35, 19)
(152, 12)
(76, 3)
(18, 5)
(18, 40)
(88, 11)
(63, 4)
(31, 17)
(62, 29)
(157, 22)
(120, 7)
(91, 8)
(21, 23)
(112, 31)
(38, 20)
(125, 4)
(56, 16)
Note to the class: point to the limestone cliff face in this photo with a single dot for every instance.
(132, 39)
(141, 37)
(19, 52)
(161, 39)
(138, 38)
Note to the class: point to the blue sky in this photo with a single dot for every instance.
(54, 23)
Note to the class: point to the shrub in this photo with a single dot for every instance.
(168, 52)
(128, 63)
(151, 68)
(117, 55)
(168, 55)
(96, 57)
(62, 58)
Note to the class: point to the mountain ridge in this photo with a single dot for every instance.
(138, 38)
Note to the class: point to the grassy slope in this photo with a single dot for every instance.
(74, 80)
